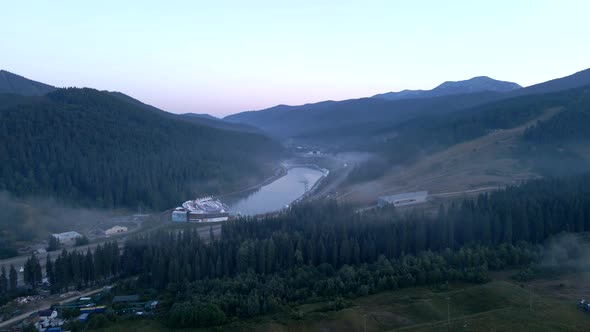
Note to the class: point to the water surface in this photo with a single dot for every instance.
(276, 195)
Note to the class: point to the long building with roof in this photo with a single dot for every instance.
(403, 199)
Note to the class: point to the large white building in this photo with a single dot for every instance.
(206, 209)
(403, 199)
(67, 237)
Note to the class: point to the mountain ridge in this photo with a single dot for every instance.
(362, 113)
(474, 84)
(20, 85)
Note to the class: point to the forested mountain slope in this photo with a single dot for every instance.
(93, 148)
(490, 145)
(570, 126)
(12, 83)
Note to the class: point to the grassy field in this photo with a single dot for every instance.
(500, 305)
(496, 306)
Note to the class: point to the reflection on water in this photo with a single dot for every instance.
(274, 196)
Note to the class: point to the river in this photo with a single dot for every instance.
(277, 194)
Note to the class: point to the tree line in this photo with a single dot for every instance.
(325, 250)
(570, 125)
(8, 283)
(69, 270)
(497, 229)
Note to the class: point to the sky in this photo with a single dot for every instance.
(222, 57)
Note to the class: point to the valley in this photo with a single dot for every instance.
(305, 205)
(302, 165)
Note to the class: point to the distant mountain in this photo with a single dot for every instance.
(201, 116)
(352, 117)
(359, 120)
(200, 119)
(12, 83)
(476, 84)
(209, 120)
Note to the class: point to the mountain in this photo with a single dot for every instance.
(200, 116)
(209, 120)
(579, 79)
(352, 117)
(476, 84)
(12, 83)
(359, 121)
(96, 148)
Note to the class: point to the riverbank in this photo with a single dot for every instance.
(278, 194)
(279, 172)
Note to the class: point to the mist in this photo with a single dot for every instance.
(566, 252)
(33, 219)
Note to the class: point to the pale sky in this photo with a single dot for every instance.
(223, 57)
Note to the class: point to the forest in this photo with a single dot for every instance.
(326, 251)
(100, 150)
(569, 126)
(434, 132)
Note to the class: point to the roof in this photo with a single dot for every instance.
(45, 313)
(67, 235)
(117, 227)
(126, 298)
(393, 198)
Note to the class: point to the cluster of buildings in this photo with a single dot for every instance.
(52, 320)
(206, 209)
(69, 238)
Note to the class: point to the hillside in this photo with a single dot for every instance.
(12, 83)
(490, 146)
(363, 115)
(92, 148)
(476, 84)
(352, 124)
(576, 80)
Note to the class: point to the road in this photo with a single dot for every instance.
(20, 260)
(472, 191)
(18, 318)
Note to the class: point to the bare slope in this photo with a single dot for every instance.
(486, 162)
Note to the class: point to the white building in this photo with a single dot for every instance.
(403, 199)
(67, 237)
(116, 230)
